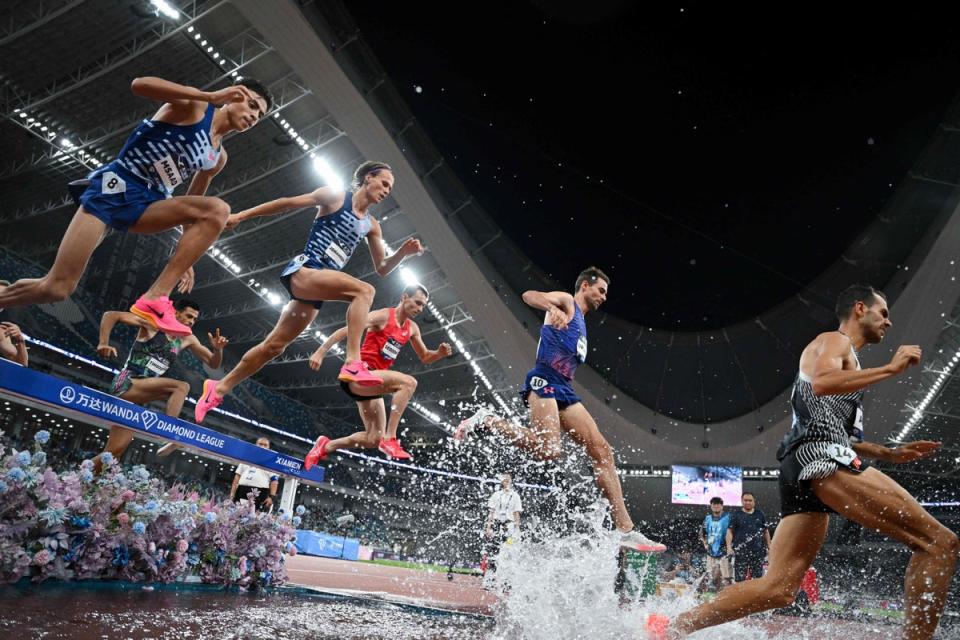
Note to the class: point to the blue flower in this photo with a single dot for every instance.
(151, 505)
(221, 554)
(86, 464)
(120, 480)
(40, 459)
(259, 551)
(301, 509)
(106, 457)
(80, 522)
(16, 475)
(296, 521)
(22, 458)
(211, 517)
(193, 559)
(193, 507)
(3, 486)
(121, 556)
(139, 528)
(267, 577)
(140, 473)
(133, 507)
(193, 547)
(42, 436)
(285, 517)
(86, 475)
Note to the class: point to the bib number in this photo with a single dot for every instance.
(844, 455)
(112, 183)
(582, 349)
(391, 349)
(337, 255)
(169, 172)
(537, 383)
(157, 367)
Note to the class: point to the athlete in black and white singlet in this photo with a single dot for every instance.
(820, 424)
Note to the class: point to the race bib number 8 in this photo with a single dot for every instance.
(112, 183)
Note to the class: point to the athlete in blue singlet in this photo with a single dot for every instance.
(316, 275)
(180, 144)
(555, 407)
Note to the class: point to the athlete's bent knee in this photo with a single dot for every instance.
(57, 289)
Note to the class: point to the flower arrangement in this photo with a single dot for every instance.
(124, 524)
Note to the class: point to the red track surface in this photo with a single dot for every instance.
(430, 589)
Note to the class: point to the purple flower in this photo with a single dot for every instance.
(127, 495)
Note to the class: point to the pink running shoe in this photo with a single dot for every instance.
(392, 448)
(357, 371)
(317, 453)
(657, 624)
(161, 314)
(208, 400)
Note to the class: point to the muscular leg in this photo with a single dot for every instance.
(78, 244)
(542, 437)
(795, 545)
(326, 284)
(876, 501)
(403, 388)
(142, 391)
(202, 217)
(296, 317)
(374, 417)
(576, 421)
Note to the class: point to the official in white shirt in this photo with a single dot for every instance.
(248, 478)
(503, 516)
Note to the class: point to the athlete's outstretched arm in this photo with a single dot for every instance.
(427, 356)
(324, 197)
(830, 378)
(212, 357)
(907, 452)
(382, 263)
(108, 321)
(162, 90)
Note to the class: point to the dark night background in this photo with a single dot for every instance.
(713, 158)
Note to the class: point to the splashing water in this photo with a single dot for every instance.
(562, 588)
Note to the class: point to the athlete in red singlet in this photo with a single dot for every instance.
(387, 331)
